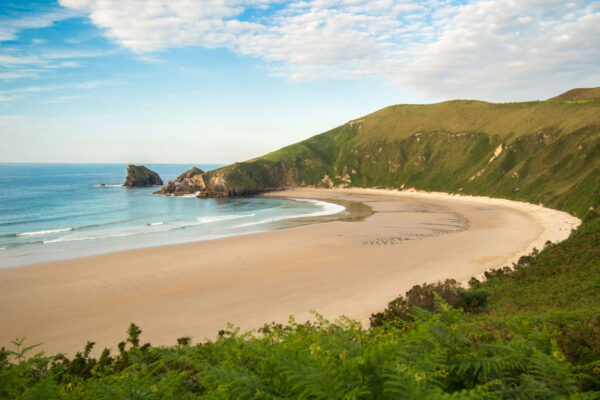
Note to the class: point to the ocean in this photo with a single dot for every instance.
(60, 211)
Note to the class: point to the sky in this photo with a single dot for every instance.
(198, 81)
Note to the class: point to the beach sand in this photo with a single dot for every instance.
(336, 268)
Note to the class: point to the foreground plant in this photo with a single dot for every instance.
(434, 356)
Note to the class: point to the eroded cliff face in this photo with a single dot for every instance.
(140, 176)
(239, 179)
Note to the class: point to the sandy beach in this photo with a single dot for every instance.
(336, 268)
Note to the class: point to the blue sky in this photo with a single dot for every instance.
(198, 81)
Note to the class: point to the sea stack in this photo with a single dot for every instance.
(140, 176)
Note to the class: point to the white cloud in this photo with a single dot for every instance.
(38, 90)
(493, 49)
(61, 99)
(10, 27)
(153, 25)
(21, 63)
(4, 98)
(18, 61)
(48, 58)
(11, 120)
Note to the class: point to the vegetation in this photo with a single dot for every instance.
(541, 152)
(579, 95)
(532, 332)
(424, 297)
(528, 331)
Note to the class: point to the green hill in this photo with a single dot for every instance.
(579, 95)
(543, 152)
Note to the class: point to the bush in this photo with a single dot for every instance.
(423, 296)
(474, 300)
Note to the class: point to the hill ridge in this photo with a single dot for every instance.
(550, 154)
(579, 94)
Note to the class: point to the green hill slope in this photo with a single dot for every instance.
(543, 152)
(579, 94)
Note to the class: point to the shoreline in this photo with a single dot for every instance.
(337, 268)
(557, 225)
(113, 243)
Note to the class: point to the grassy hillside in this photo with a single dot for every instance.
(543, 152)
(529, 331)
(579, 94)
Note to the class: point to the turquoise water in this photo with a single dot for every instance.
(60, 211)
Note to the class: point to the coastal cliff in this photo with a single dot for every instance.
(140, 176)
(541, 152)
(196, 181)
(239, 179)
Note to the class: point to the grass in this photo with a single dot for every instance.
(579, 95)
(550, 153)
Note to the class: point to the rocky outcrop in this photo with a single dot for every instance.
(189, 174)
(232, 181)
(140, 176)
(191, 181)
(217, 186)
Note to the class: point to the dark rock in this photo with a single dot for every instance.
(235, 181)
(102, 184)
(169, 188)
(190, 173)
(140, 176)
(191, 181)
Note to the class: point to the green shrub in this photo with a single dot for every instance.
(474, 300)
(423, 296)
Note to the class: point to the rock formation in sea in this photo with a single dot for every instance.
(189, 174)
(140, 176)
(191, 181)
(202, 184)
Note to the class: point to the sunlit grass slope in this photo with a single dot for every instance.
(543, 152)
(580, 94)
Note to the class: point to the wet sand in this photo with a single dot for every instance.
(337, 268)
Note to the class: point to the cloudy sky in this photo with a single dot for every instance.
(217, 81)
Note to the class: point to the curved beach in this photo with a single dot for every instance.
(337, 268)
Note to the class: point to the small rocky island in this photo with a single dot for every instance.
(140, 176)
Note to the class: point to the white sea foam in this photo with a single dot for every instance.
(155, 227)
(112, 186)
(326, 209)
(103, 234)
(218, 218)
(38, 233)
(80, 238)
(71, 239)
(162, 227)
(189, 196)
